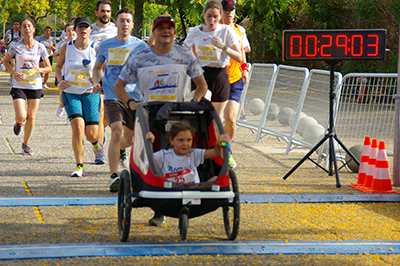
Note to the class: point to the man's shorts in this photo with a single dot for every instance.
(236, 90)
(85, 105)
(25, 94)
(116, 112)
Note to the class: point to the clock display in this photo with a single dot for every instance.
(305, 45)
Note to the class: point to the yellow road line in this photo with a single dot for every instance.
(36, 208)
(9, 145)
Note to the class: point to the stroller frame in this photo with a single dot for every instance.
(145, 185)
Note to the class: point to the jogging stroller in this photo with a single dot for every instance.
(145, 185)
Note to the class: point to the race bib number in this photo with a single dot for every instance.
(79, 78)
(30, 76)
(117, 56)
(207, 53)
(182, 176)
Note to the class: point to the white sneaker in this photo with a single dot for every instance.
(60, 111)
(123, 160)
(78, 172)
(68, 122)
(45, 86)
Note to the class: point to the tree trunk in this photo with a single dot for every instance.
(138, 18)
(182, 15)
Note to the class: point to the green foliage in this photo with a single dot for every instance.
(186, 13)
(268, 19)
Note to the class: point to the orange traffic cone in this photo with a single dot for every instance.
(373, 152)
(362, 170)
(381, 182)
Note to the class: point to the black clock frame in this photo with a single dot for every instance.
(368, 44)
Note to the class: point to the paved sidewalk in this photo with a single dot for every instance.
(260, 168)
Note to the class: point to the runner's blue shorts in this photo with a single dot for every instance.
(236, 90)
(86, 105)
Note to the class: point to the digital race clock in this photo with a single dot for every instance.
(304, 45)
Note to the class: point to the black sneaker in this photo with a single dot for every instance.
(17, 129)
(114, 182)
(26, 149)
(123, 160)
(157, 220)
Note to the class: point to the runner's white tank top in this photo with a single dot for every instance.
(78, 67)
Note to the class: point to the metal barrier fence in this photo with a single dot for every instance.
(293, 104)
(312, 122)
(259, 86)
(367, 108)
(284, 102)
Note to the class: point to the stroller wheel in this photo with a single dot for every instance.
(124, 206)
(231, 209)
(183, 225)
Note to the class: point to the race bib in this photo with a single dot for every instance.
(117, 56)
(182, 176)
(207, 53)
(79, 78)
(30, 76)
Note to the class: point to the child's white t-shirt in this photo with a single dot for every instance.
(180, 168)
(207, 53)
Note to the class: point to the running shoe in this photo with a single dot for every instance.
(114, 182)
(231, 161)
(68, 122)
(78, 172)
(99, 151)
(60, 111)
(123, 160)
(26, 150)
(100, 160)
(243, 118)
(157, 220)
(17, 129)
(10, 81)
(45, 87)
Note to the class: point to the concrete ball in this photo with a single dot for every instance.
(256, 106)
(305, 122)
(312, 132)
(291, 119)
(284, 115)
(357, 152)
(273, 111)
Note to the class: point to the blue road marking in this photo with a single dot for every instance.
(50, 251)
(245, 198)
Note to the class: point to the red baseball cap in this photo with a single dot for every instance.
(163, 18)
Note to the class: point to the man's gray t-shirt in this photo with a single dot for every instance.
(161, 77)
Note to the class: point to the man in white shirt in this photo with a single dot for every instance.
(168, 58)
(13, 35)
(102, 29)
(50, 44)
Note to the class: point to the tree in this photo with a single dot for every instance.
(34, 9)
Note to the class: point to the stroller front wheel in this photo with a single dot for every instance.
(124, 206)
(183, 224)
(231, 210)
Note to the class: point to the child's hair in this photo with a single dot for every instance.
(178, 127)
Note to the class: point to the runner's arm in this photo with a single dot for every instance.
(202, 87)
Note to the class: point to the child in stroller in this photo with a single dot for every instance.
(179, 163)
